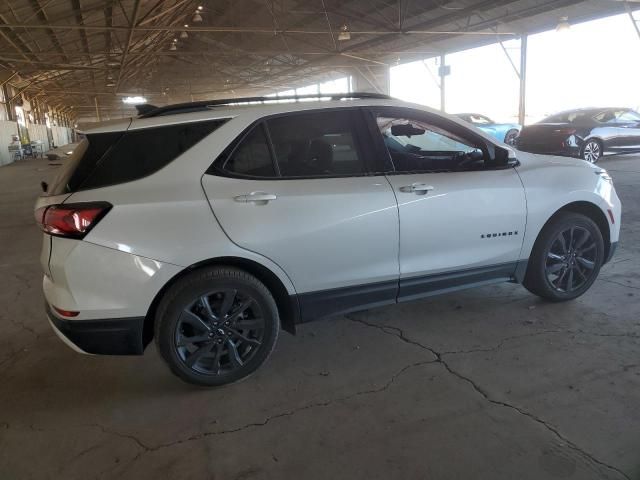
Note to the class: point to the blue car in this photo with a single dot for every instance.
(505, 132)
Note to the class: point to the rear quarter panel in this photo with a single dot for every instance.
(166, 216)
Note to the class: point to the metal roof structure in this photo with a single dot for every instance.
(77, 53)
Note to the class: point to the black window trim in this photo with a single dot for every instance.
(362, 141)
(488, 148)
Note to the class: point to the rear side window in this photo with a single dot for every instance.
(81, 163)
(316, 145)
(308, 145)
(252, 157)
(139, 153)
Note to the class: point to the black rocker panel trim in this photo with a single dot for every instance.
(336, 301)
(118, 336)
(424, 286)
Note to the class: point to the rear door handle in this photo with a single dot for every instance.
(417, 188)
(256, 197)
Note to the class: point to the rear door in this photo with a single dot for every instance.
(296, 188)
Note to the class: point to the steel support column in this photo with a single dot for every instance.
(95, 99)
(523, 79)
(442, 75)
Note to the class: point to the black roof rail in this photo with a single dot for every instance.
(152, 111)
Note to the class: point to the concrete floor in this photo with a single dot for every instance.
(489, 383)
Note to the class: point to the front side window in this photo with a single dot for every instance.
(316, 145)
(418, 146)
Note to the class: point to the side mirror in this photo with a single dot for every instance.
(406, 130)
(504, 158)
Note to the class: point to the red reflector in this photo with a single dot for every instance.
(613, 220)
(72, 220)
(65, 313)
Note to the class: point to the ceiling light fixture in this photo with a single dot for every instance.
(137, 100)
(111, 84)
(197, 18)
(184, 35)
(173, 47)
(200, 7)
(113, 63)
(563, 25)
(344, 33)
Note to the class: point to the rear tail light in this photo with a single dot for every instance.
(72, 220)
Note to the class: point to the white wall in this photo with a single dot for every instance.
(39, 133)
(6, 130)
(61, 135)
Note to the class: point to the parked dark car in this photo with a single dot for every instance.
(586, 133)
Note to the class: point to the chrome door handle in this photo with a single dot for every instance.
(417, 188)
(257, 197)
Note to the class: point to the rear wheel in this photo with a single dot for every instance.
(216, 326)
(592, 151)
(566, 258)
(511, 137)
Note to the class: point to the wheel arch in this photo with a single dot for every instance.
(288, 308)
(586, 208)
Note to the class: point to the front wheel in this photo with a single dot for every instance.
(566, 258)
(511, 137)
(216, 326)
(592, 151)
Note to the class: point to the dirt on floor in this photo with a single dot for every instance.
(491, 383)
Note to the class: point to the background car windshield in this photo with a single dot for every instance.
(474, 118)
(568, 117)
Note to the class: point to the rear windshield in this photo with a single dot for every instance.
(104, 159)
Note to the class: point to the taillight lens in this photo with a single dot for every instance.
(72, 220)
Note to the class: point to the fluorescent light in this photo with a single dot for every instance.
(563, 25)
(344, 33)
(134, 100)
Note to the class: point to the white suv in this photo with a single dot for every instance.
(209, 226)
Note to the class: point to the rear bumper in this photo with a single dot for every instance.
(118, 336)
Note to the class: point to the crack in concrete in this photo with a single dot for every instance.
(399, 333)
(145, 448)
(633, 287)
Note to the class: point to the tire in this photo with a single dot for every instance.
(549, 261)
(225, 315)
(511, 137)
(592, 151)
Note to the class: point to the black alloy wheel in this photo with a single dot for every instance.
(571, 259)
(219, 332)
(566, 257)
(216, 325)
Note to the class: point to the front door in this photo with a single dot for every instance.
(461, 222)
(296, 190)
